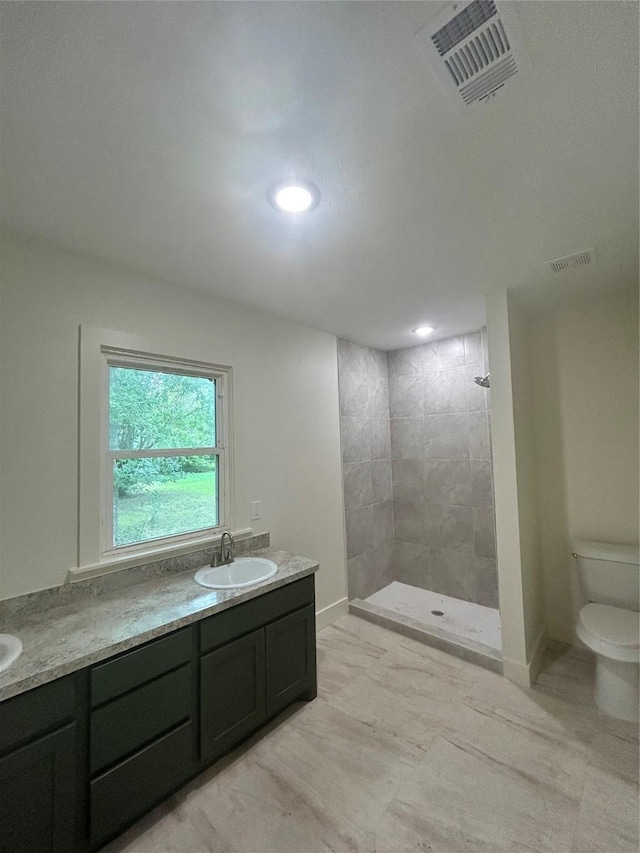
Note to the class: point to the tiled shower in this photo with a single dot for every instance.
(417, 469)
(366, 467)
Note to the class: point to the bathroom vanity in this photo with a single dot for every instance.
(86, 754)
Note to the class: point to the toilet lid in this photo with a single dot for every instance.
(612, 624)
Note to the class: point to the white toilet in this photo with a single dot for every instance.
(610, 623)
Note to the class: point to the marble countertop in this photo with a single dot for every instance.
(67, 638)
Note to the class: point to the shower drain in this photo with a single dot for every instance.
(437, 613)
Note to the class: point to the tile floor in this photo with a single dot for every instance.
(408, 750)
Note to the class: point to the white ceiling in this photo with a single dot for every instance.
(148, 134)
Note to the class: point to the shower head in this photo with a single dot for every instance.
(483, 380)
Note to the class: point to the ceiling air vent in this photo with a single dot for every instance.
(579, 259)
(474, 49)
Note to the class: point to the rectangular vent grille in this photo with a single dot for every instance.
(579, 259)
(474, 48)
(478, 53)
(488, 82)
(464, 23)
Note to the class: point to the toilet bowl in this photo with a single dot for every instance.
(610, 623)
(612, 633)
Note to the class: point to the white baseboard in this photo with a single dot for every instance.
(331, 613)
(516, 672)
(525, 674)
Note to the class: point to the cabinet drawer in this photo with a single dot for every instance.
(129, 722)
(138, 783)
(244, 618)
(26, 716)
(115, 677)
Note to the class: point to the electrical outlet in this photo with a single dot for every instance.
(255, 510)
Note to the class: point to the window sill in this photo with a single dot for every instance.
(128, 561)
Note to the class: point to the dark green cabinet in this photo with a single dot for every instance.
(38, 795)
(136, 784)
(40, 805)
(232, 694)
(83, 757)
(129, 722)
(127, 671)
(244, 618)
(244, 682)
(291, 659)
(142, 730)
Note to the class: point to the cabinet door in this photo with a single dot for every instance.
(291, 659)
(37, 795)
(232, 697)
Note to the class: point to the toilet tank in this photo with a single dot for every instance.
(609, 573)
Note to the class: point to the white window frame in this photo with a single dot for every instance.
(100, 349)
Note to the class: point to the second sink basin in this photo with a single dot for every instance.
(10, 650)
(244, 571)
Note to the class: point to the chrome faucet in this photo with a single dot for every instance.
(224, 557)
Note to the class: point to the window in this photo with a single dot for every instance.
(154, 446)
(162, 459)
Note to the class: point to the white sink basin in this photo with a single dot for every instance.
(244, 571)
(10, 650)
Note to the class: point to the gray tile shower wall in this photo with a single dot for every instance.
(366, 467)
(441, 468)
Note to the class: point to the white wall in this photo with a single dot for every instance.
(523, 417)
(585, 391)
(287, 440)
(517, 535)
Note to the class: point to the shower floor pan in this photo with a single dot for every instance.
(467, 630)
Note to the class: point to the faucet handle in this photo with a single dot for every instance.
(221, 558)
(228, 556)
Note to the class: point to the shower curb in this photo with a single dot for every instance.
(476, 653)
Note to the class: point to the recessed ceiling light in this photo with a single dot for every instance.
(294, 197)
(423, 331)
